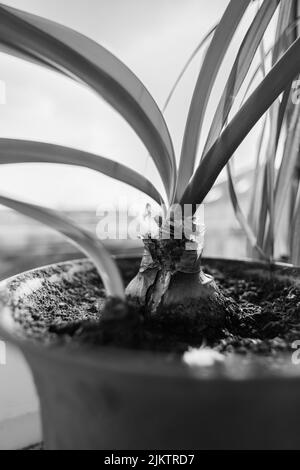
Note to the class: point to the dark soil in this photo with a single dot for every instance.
(262, 317)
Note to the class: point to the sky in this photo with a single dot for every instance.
(154, 38)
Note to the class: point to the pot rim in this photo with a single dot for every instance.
(127, 361)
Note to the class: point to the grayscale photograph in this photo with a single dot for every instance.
(150, 228)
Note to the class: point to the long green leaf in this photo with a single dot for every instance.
(186, 66)
(247, 225)
(21, 151)
(208, 73)
(241, 217)
(259, 102)
(84, 240)
(284, 20)
(285, 36)
(288, 164)
(66, 50)
(282, 110)
(262, 214)
(240, 68)
(262, 53)
(258, 216)
(267, 218)
(295, 233)
(270, 174)
(298, 14)
(257, 181)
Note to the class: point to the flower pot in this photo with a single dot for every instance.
(105, 398)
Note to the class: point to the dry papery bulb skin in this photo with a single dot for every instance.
(171, 283)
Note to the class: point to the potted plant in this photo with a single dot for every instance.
(185, 359)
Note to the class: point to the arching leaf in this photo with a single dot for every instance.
(259, 102)
(21, 151)
(240, 68)
(208, 73)
(84, 240)
(70, 52)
